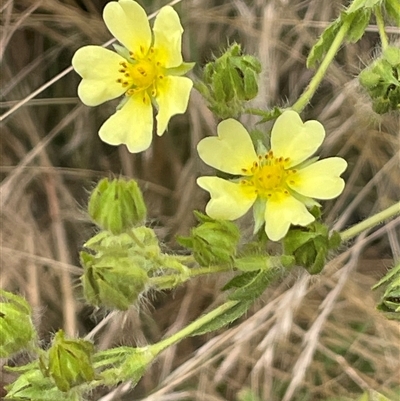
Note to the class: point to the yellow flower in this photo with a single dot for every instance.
(279, 183)
(146, 69)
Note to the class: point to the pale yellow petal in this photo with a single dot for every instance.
(128, 23)
(320, 180)
(281, 212)
(131, 126)
(99, 69)
(293, 139)
(168, 38)
(229, 200)
(232, 151)
(172, 98)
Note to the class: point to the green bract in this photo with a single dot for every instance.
(68, 362)
(117, 205)
(16, 328)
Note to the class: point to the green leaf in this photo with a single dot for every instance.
(393, 10)
(358, 26)
(222, 320)
(271, 114)
(359, 5)
(324, 42)
(255, 285)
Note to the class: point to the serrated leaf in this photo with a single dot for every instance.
(362, 4)
(324, 42)
(255, 286)
(228, 317)
(358, 25)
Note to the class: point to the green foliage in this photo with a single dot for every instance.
(252, 283)
(381, 79)
(117, 205)
(213, 241)
(235, 312)
(123, 364)
(390, 301)
(16, 327)
(392, 8)
(352, 22)
(68, 362)
(229, 81)
(32, 385)
(272, 114)
(311, 245)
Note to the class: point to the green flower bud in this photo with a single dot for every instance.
(16, 327)
(213, 241)
(112, 281)
(68, 362)
(382, 81)
(310, 246)
(117, 205)
(230, 81)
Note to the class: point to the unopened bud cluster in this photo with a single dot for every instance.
(382, 81)
(120, 261)
(230, 81)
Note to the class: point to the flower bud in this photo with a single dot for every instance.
(68, 362)
(310, 246)
(213, 241)
(112, 281)
(117, 205)
(230, 81)
(16, 327)
(381, 79)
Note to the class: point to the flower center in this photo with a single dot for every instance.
(269, 176)
(143, 73)
(140, 74)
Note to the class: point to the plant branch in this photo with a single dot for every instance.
(371, 222)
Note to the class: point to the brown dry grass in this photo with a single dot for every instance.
(306, 338)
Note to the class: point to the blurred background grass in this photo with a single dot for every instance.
(307, 338)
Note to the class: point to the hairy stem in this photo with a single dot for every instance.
(306, 96)
(381, 27)
(192, 327)
(371, 222)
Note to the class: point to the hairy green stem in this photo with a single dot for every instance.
(306, 96)
(381, 27)
(371, 222)
(158, 281)
(192, 327)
